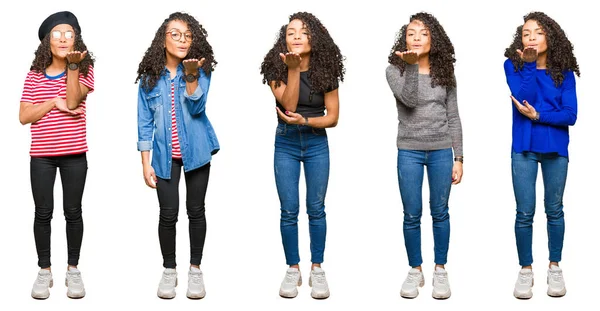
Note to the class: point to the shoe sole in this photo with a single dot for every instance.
(441, 296)
(73, 295)
(557, 294)
(411, 295)
(43, 295)
(292, 294)
(314, 295)
(168, 295)
(194, 296)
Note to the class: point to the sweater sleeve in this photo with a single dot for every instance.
(522, 83)
(405, 88)
(454, 124)
(567, 115)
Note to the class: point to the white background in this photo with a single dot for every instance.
(244, 263)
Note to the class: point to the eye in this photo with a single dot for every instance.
(69, 34)
(188, 36)
(56, 34)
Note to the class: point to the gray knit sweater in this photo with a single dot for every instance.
(427, 117)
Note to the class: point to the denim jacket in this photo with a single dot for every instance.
(197, 137)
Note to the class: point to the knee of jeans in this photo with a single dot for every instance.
(289, 216)
(440, 214)
(168, 216)
(525, 218)
(196, 212)
(73, 213)
(412, 219)
(316, 212)
(43, 215)
(554, 211)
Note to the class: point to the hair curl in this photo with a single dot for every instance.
(559, 55)
(441, 53)
(43, 55)
(152, 66)
(326, 60)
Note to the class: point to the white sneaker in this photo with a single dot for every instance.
(42, 284)
(74, 283)
(441, 286)
(318, 282)
(414, 280)
(195, 284)
(556, 283)
(166, 287)
(289, 285)
(524, 284)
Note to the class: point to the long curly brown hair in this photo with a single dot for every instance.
(559, 55)
(326, 60)
(441, 54)
(43, 55)
(152, 66)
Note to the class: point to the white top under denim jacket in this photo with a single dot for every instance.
(196, 135)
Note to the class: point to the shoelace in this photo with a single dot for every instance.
(196, 278)
(525, 278)
(291, 278)
(319, 278)
(441, 278)
(75, 278)
(43, 279)
(413, 278)
(169, 278)
(556, 276)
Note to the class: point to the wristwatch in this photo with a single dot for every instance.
(190, 77)
(73, 66)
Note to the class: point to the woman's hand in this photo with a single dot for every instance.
(150, 176)
(525, 109)
(61, 104)
(292, 60)
(191, 65)
(410, 57)
(76, 56)
(457, 172)
(290, 117)
(528, 55)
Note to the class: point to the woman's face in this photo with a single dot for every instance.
(178, 39)
(62, 40)
(534, 36)
(296, 37)
(417, 37)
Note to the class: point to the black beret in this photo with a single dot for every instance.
(64, 17)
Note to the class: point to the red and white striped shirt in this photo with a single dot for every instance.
(174, 135)
(57, 133)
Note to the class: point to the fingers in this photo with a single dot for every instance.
(282, 56)
(282, 115)
(457, 173)
(151, 180)
(520, 53)
(201, 62)
(515, 100)
(398, 53)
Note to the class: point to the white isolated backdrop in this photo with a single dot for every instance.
(243, 260)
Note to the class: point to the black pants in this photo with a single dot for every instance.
(196, 182)
(73, 171)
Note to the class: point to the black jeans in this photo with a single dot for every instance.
(73, 171)
(196, 182)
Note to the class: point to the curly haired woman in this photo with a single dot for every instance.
(421, 76)
(540, 72)
(303, 69)
(53, 101)
(174, 80)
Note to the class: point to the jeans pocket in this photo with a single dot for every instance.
(281, 130)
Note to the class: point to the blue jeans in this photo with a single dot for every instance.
(524, 175)
(295, 144)
(410, 179)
